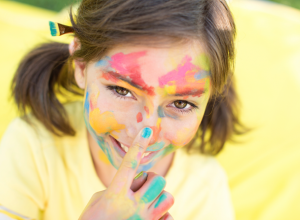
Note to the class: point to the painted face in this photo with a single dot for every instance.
(166, 89)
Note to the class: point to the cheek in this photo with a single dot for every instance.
(183, 134)
(104, 122)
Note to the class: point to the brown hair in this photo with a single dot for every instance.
(102, 24)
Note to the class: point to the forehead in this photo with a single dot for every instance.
(155, 63)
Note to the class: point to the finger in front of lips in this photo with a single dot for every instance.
(127, 170)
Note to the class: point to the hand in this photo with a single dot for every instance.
(130, 199)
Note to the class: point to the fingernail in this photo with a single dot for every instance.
(146, 133)
(139, 175)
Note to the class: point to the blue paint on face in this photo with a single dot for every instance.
(100, 140)
(160, 112)
(104, 62)
(87, 103)
(201, 74)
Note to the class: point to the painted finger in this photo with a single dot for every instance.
(138, 181)
(167, 216)
(131, 161)
(161, 205)
(151, 189)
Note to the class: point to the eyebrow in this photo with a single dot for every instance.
(190, 92)
(183, 92)
(124, 78)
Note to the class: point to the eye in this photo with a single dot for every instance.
(180, 104)
(121, 91)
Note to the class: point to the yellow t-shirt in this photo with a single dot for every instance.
(47, 177)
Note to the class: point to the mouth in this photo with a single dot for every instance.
(122, 149)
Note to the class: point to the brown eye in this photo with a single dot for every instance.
(121, 91)
(180, 104)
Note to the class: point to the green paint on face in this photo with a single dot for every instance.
(155, 188)
(160, 200)
(203, 61)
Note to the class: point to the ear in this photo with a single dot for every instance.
(79, 66)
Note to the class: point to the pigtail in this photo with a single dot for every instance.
(43, 73)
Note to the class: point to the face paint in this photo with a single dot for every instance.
(127, 65)
(185, 78)
(147, 111)
(104, 122)
(156, 146)
(139, 117)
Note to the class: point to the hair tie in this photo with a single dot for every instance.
(58, 29)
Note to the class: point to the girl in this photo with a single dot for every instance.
(157, 81)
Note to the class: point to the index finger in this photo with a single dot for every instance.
(131, 161)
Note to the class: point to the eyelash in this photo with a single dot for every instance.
(182, 111)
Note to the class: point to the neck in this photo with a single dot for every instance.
(106, 172)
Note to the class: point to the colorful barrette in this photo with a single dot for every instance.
(58, 29)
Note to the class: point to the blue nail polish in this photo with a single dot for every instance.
(146, 133)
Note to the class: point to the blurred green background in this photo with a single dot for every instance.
(57, 5)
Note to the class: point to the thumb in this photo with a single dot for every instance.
(138, 181)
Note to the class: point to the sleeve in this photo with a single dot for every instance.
(22, 171)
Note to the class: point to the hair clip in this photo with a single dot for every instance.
(58, 29)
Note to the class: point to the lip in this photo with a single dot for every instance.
(122, 153)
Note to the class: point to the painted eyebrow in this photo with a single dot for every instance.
(185, 92)
(124, 78)
(188, 92)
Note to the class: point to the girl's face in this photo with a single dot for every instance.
(166, 89)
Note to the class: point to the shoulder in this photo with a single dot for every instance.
(198, 165)
(201, 182)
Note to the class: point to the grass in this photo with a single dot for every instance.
(57, 5)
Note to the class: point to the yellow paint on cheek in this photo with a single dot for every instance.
(103, 157)
(104, 122)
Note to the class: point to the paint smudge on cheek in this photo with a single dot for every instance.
(103, 157)
(104, 122)
(94, 94)
(156, 146)
(146, 109)
(139, 117)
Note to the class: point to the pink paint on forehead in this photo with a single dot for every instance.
(180, 72)
(127, 64)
